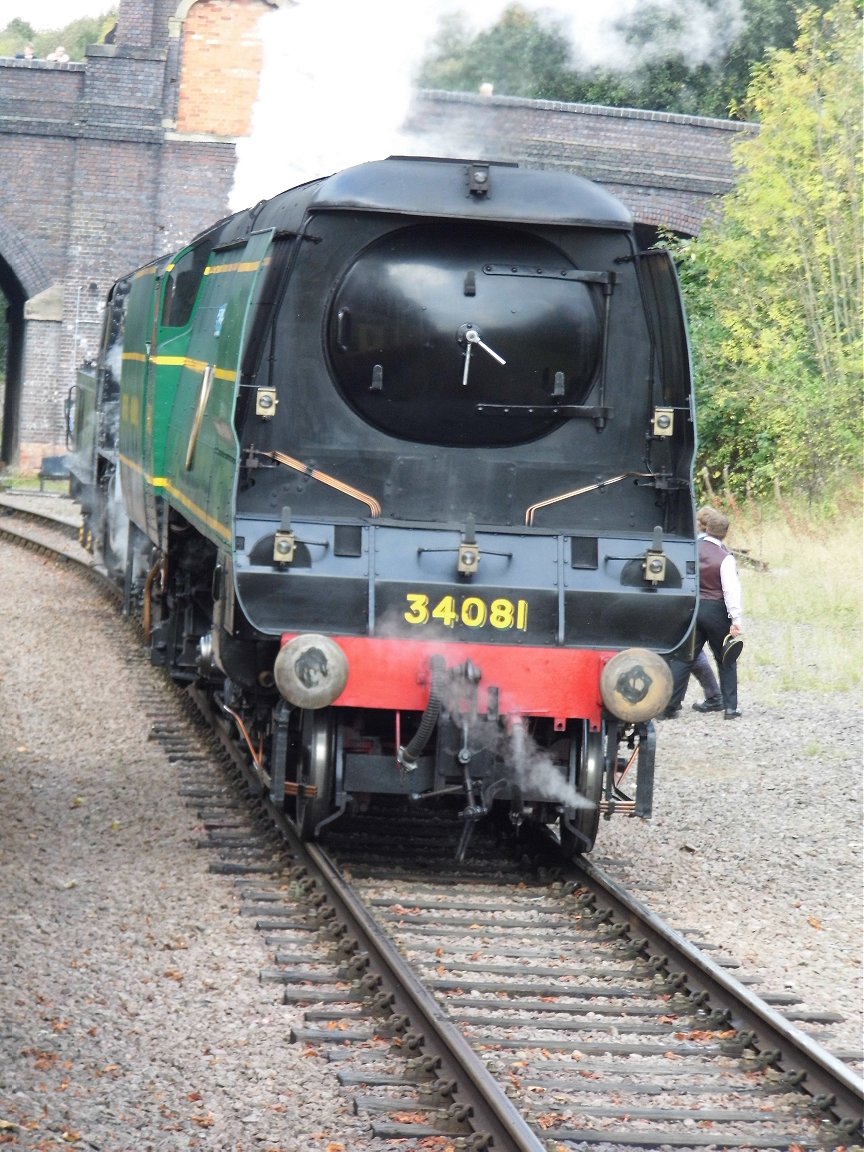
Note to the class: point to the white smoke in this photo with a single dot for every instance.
(338, 75)
(537, 774)
(697, 30)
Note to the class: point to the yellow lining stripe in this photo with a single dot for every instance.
(180, 362)
(181, 498)
(156, 481)
(245, 266)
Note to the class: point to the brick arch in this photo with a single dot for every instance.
(22, 264)
(23, 279)
(669, 169)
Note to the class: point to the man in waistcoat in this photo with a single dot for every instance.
(702, 670)
(719, 614)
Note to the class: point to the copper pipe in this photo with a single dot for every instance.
(628, 765)
(257, 757)
(618, 806)
(331, 481)
(529, 512)
(148, 587)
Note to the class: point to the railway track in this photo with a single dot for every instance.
(509, 1003)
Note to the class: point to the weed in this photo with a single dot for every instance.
(803, 613)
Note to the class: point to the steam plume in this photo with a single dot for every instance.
(338, 75)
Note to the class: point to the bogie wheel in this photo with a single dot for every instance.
(578, 826)
(316, 768)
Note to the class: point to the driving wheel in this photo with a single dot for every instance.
(316, 768)
(578, 826)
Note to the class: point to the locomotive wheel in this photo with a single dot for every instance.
(583, 823)
(316, 763)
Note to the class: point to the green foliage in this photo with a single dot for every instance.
(74, 36)
(521, 55)
(774, 285)
(528, 54)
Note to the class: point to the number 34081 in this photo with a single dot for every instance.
(472, 612)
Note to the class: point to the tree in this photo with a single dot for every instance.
(665, 60)
(774, 285)
(521, 55)
(74, 36)
(14, 36)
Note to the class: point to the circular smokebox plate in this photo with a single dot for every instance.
(311, 671)
(636, 685)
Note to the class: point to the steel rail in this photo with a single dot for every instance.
(491, 1110)
(833, 1084)
(71, 553)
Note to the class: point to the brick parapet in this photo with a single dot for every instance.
(684, 160)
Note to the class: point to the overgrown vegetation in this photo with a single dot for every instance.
(74, 36)
(673, 57)
(804, 612)
(774, 284)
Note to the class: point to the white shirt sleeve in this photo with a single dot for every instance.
(731, 584)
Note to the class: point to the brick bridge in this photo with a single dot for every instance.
(110, 162)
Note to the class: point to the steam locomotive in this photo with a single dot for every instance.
(398, 465)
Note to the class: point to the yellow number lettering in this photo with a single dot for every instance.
(501, 614)
(473, 612)
(418, 612)
(445, 611)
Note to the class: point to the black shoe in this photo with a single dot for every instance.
(710, 704)
(670, 713)
(731, 714)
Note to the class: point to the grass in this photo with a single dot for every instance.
(803, 614)
(29, 482)
(23, 480)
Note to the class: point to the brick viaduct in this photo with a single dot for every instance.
(111, 162)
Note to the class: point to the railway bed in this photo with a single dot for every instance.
(510, 1003)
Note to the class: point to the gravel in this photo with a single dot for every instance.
(133, 1019)
(756, 841)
